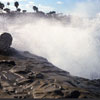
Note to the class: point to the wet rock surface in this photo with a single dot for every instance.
(5, 41)
(31, 76)
(25, 75)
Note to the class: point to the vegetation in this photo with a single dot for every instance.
(2, 5)
(37, 12)
(8, 3)
(35, 8)
(16, 4)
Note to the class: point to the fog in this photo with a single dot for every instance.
(74, 47)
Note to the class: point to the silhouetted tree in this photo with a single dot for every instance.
(52, 12)
(16, 4)
(19, 10)
(2, 5)
(35, 8)
(8, 3)
(24, 11)
(7, 10)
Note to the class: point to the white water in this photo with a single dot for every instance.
(74, 47)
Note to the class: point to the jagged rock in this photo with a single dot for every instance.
(7, 62)
(30, 76)
(5, 41)
(9, 77)
(4, 84)
(8, 89)
(39, 76)
(73, 94)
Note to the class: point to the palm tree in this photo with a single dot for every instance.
(7, 9)
(2, 5)
(35, 8)
(8, 3)
(16, 4)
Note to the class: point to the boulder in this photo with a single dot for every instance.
(5, 41)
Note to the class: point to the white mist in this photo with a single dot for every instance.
(73, 47)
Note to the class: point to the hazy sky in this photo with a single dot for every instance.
(82, 7)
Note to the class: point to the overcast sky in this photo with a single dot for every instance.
(81, 7)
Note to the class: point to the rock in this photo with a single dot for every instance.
(8, 89)
(39, 76)
(5, 41)
(20, 96)
(48, 90)
(74, 94)
(7, 62)
(24, 81)
(0, 86)
(10, 77)
(4, 84)
(30, 76)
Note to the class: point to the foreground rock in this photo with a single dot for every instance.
(24, 75)
(31, 76)
(5, 41)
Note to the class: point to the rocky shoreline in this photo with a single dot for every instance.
(25, 75)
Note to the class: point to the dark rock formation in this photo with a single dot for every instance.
(24, 75)
(5, 41)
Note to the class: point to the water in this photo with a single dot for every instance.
(74, 47)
